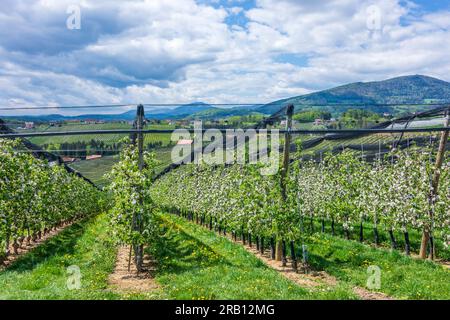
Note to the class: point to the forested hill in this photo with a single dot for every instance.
(402, 90)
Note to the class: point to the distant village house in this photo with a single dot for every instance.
(318, 122)
(93, 121)
(283, 123)
(29, 125)
(94, 157)
(68, 159)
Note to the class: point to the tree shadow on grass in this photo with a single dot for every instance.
(332, 267)
(178, 252)
(61, 244)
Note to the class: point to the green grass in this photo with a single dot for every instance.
(195, 263)
(42, 273)
(108, 139)
(95, 170)
(415, 237)
(401, 277)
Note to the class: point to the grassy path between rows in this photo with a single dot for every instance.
(42, 273)
(402, 277)
(415, 237)
(195, 263)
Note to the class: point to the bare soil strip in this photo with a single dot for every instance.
(27, 247)
(370, 295)
(131, 281)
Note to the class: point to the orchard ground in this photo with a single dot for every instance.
(195, 263)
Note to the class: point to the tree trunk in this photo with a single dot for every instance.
(272, 248)
(434, 188)
(361, 232)
(283, 251)
(407, 244)
(376, 236)
(293, 256)
(347, 234)
(279, 251)
(432, 249)
(393, 242)
(424, 244)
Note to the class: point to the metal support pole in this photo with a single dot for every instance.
(285, 169)
(139, 124)
(427, 232)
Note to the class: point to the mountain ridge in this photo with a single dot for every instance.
(415, 89)
(377, 96)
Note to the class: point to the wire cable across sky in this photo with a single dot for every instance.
(280, 103)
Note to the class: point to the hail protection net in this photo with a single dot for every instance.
(90, 144)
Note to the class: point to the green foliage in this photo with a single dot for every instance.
(36, 196)
(360, 114)
(132, 215)
(311, 115)
(344, 189)
(42, 272)
(358, 118)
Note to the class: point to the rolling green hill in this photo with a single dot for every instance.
(402, 90)
(215, 113)
(371, 96)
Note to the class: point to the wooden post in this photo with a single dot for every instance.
(426, 235)
(140, 126)
(137, 221)
(285, 169)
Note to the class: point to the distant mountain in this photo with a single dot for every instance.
(180, 112)
(402, 90)
(189, 109)
(130, 115)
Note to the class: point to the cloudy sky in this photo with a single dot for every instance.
(217, 51)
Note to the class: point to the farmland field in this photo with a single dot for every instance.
(229, 232)
(95, 170)
(224, 159)
(164, 138)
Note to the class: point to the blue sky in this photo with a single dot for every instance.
(217, 51)
(435, 5)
